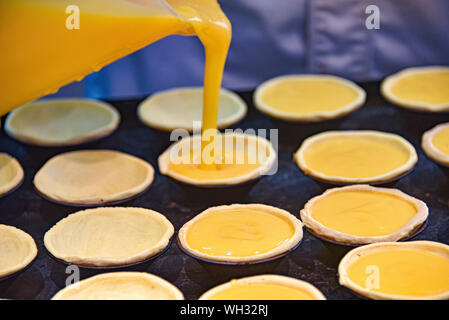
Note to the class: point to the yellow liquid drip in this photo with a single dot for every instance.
(408, 272)
(441, 140)
(363, 213)
(239, 233)
(354, 157)
(308, 96)
(261, 291)
(427, 87)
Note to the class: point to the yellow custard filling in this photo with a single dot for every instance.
(308, 95)
(233, 163)
(363, 213)
(354, 157)
(428, 87)
(239, 233)
(260, 291)
(407, 272)
(441, 140)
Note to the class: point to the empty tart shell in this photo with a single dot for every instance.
(109, 236)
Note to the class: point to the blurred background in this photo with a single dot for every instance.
(271, 38)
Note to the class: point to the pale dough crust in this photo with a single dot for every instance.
(286, 246)
(390, 81)
(264, 168)
(272, 279)
(392, 175)
(417, 220)
(309, 117)
(351, 256)
(9, 165)
(17, 250)
(178, 108)
(430, 149)
(121, 286)
(62, 122)
(125, 235)
(93, 177)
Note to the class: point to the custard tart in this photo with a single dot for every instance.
(362, 214)
(415, 270)
(435, 143)
(240, 233)
(239, 158)
(360, 156)
(421, 88)
(264, 287)
(308, 97)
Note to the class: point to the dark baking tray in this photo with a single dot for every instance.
(314, 260)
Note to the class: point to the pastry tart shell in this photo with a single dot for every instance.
(17, 179)
(46, 192)
(343, 238)
(377, 135)
(148, 118)
(277, 252)
(92, 135)
(25, 238)
(271, 279)
(353, 255)
(309, 117)
(264, 168)
(417, 106)
(98, 262)
(430, 149)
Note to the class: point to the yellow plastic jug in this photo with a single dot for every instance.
(46, 44)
